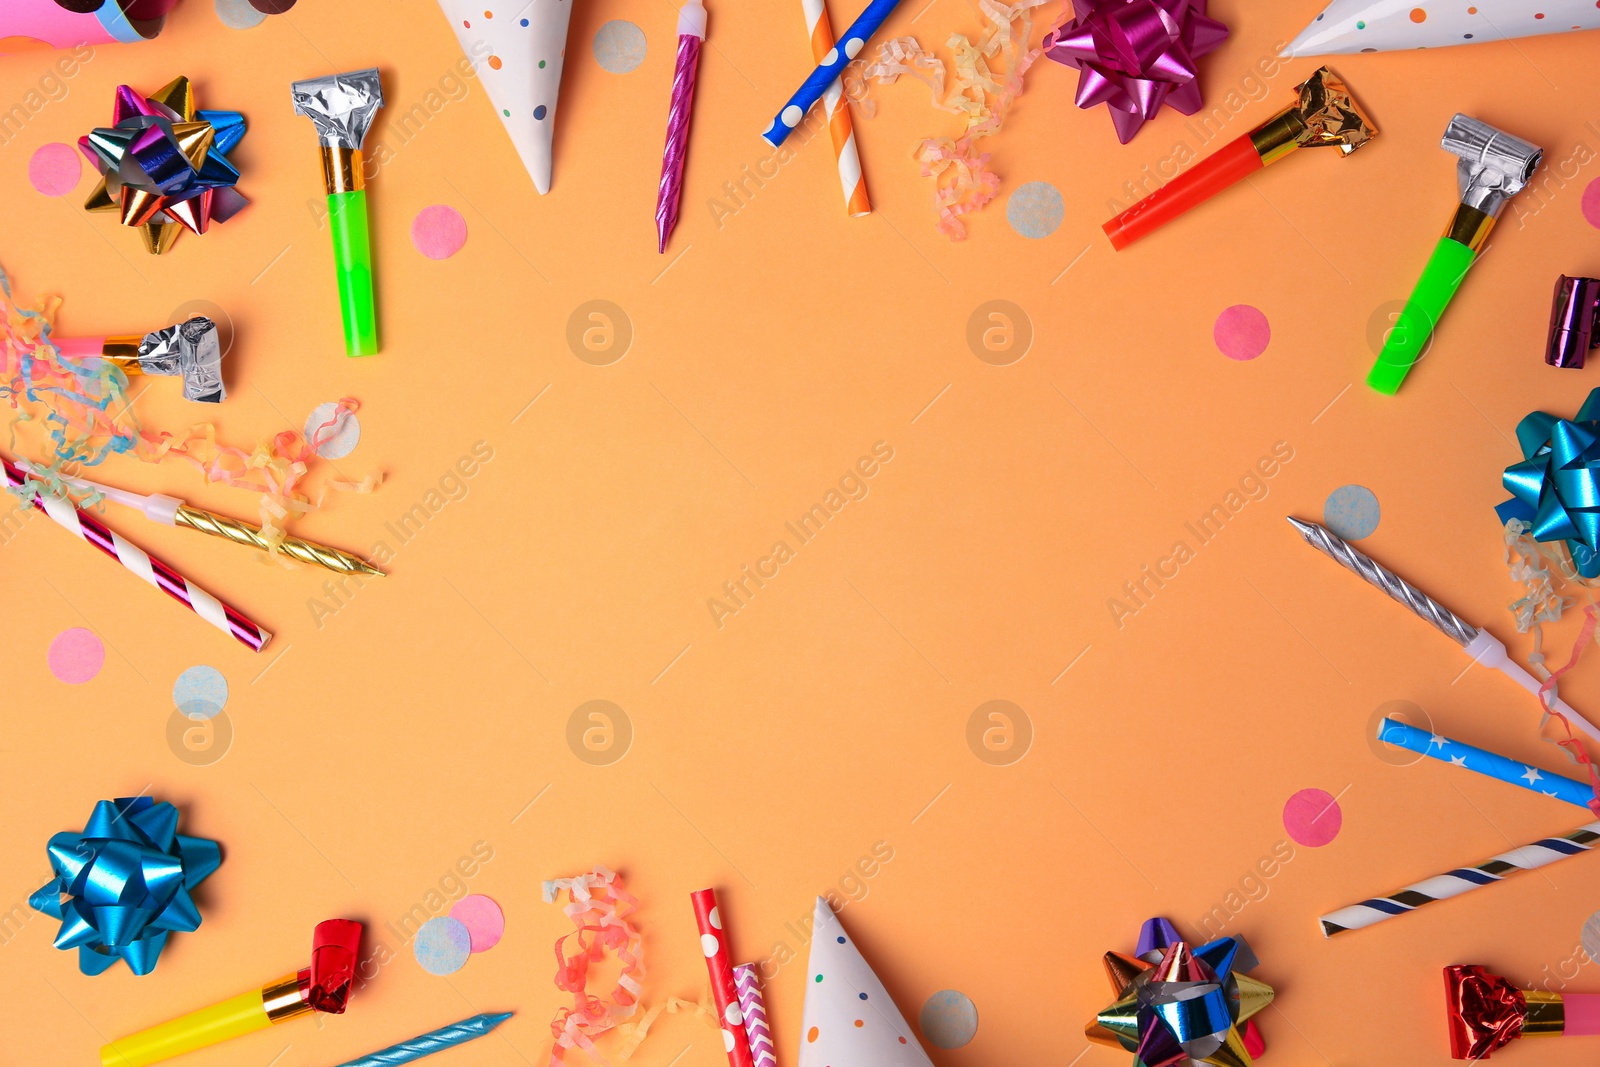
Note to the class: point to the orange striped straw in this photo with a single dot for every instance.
(851, 179)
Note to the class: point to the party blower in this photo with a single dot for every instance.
(1326, 116)
(188, 350)
(324, 987)
(1494, 166)
(342, 106)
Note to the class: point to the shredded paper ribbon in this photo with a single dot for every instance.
(1135, 55)
(163, 163)
(1556, 487)
(600, 909)
(1177, 1006)
(124, 883)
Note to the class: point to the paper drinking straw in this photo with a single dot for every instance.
(753, 1007)
(1461, 880)
(66, 515)
(432, 1041)
(714, 943)
(840, 128)
(828, 70)
(1460, 754)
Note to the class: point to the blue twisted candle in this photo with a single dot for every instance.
(432, 1041)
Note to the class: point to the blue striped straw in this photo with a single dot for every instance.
(1460, 754)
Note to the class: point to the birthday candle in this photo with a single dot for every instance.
(691, 32)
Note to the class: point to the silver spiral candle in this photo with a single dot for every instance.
(1421, 604)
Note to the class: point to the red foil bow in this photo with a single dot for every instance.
(1135, 55)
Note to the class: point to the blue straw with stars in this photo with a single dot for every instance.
(432, 1041)
(1460, 754)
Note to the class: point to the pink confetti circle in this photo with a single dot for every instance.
(1312, 817)
(76, 656)
(482, 917)
(439, 231)
(1242, 332)
(1591, 203)
(55, 169)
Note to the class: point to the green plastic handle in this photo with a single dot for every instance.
(352, 262)
(1439, 282)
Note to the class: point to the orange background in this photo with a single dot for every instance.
(376, 744)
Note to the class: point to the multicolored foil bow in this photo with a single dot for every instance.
(1135, 55)
(123, 884)
(164, 163)
(1486, 1013)
(1180, 1007)
(1556, 488)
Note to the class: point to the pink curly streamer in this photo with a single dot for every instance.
(600, 909)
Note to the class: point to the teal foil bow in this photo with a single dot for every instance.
(124, 883)
(1556, 487)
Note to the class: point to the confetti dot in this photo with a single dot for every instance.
(1241, 332)
(76, 656)
(619, 46)
(494, 63)
(336, 441)
(442, 945)
(708, 945)
(438, 232)
(1418, 15)
(484, 920)
(1351, 511)
(1034, 209)
(1591, 203)
(239, 14)
(55, 169)
(1312, 817)
(200, 692)
(1591, 937)
(949, 1019)
(540, 112)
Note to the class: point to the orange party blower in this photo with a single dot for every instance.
(324, 987)
(1325, 116)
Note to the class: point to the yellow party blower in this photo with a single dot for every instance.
(324, 987)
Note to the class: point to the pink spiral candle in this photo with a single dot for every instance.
(691, 31)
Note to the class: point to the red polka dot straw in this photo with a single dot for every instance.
(714, 944)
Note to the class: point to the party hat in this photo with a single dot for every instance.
(516, 47)
(849, 1020)
(1346, 26)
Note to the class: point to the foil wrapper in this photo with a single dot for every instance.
(1485, 1012)
(341, 106)
(1574, 322)
(189, 350)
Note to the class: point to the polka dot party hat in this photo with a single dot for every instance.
(516, 47)
(1387, 25)
(849, 1019)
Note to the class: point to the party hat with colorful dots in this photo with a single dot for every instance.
(1389, 25)
(516, 47)
(849, 1019)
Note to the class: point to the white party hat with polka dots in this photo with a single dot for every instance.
(849, 1020)
(516, 48)
(1346, 26)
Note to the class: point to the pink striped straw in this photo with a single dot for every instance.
(754, 1009)
(71, 517)
(853, 181)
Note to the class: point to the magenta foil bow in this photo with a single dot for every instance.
(1135, 55)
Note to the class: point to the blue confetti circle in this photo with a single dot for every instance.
(442, 945)
(200, 692)
(1351, 512)
(949, 1019)
(1035, 209)
(619, 46)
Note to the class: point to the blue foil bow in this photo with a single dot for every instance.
(1556, 487)
(123, 884)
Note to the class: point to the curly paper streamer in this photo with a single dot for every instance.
(962, 179)
(634, 1031)
(1547, 694)
(1136, 55)
(124, 883)
(600, 909)
(83, 409)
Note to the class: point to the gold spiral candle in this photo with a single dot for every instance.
(244, 533)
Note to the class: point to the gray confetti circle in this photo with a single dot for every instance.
(619, 46)
(1035, 209)
(239, 14)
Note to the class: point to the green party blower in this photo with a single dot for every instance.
(1494, 167)
(343, 106)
